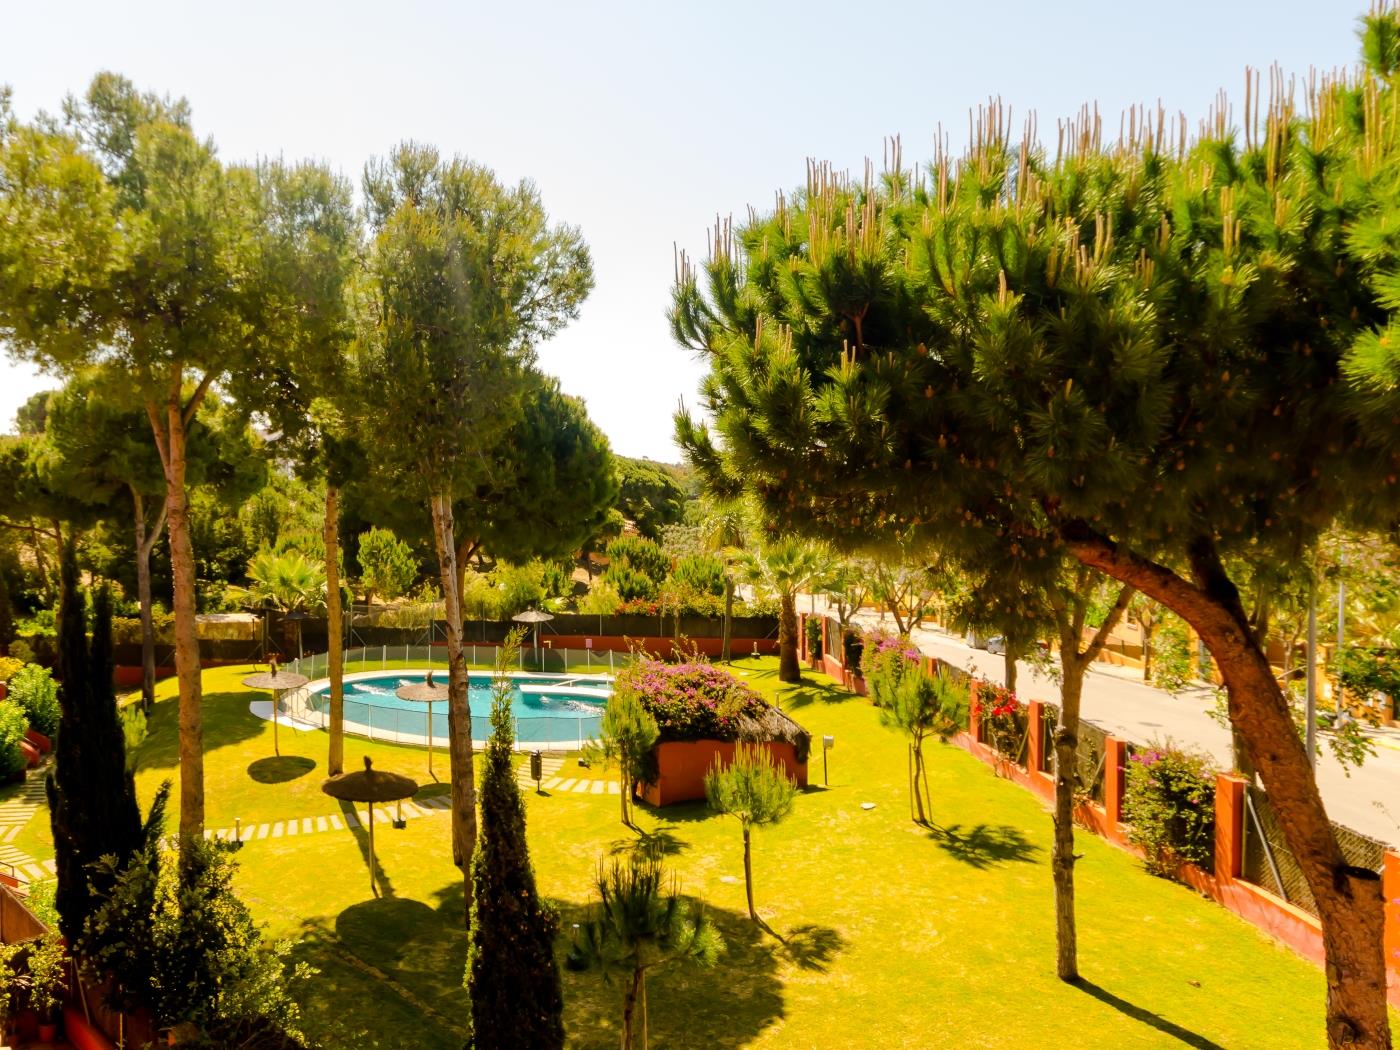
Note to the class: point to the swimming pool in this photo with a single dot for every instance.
(551, 710)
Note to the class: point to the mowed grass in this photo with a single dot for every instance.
(896, 937)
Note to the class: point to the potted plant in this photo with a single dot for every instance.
(46, 984)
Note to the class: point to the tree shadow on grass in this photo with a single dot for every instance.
(351, 998)
(650, 845)
(813, 947)
(984, 845)
(1147, 1017)
(808, 692)
(279, 770)
(227, 723)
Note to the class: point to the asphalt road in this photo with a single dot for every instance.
(1117, 701)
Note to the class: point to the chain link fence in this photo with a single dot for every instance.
(1269, 864)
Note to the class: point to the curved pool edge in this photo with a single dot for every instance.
(294, 702)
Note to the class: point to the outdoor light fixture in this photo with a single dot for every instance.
(238, 830)
(828, 742)
(399, 822)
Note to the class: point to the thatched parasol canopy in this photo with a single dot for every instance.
(276, 680)
(532, 616)
(370, 785)
(425, 692)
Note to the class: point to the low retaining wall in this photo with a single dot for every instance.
(1286, 923)
(682, 765)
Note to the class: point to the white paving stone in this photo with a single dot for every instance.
(599, 786)
(568, 785)
(277, 830)
(336, 824)
(322, 824)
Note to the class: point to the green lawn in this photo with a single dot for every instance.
(896, 936)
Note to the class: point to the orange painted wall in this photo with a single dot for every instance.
(684, 763)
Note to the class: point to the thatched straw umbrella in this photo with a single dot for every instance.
(425, 692)
(534, 617)
(370, 785)
(278, 681)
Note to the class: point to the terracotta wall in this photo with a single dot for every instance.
(683, 765)
(1296, 928)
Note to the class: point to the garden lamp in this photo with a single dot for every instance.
(828, 742)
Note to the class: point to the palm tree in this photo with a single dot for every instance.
(289, 582)
(782, 569)
(723, 533)
(641, 924)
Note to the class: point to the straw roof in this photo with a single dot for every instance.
(370, 785)
(277, 680)
(773, 726)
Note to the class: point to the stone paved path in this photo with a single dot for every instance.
(386, 814)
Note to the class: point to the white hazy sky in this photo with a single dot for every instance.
(642, 121)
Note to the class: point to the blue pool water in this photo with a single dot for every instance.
(546, 707)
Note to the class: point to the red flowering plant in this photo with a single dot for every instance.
(1003, 719)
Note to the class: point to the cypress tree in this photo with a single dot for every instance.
(92, 795)
(512, 975)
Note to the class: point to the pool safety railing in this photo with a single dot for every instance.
(395, 725)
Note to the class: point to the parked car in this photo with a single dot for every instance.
(996, 645)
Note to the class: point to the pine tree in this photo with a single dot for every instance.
(626, 733)
(92, 795)
(753, 789)
(1160, 357)
(641, 924)
(512, 974)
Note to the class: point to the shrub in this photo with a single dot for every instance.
(133, 731)
(885, 661)
(1169, 805)
(521, 587)
(639, 555)
(814, 638)
(691, 701)
(629, 583)
(602, 600)
(702, 573)
(34, 690)
(1001, 717)
(8, 666)
(13, 723)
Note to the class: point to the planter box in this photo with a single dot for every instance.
(682, 765)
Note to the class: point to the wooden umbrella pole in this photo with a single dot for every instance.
(430, 740)
(372, 888)
(276, 743)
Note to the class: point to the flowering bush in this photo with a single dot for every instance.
(1002, 719)
(1169, 805)
(693, 700)
(885, 661)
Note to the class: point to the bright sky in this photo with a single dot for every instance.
(640, 122)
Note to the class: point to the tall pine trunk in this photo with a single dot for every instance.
(789, 670)
(170, 437)
(145, 543)
(1349, 900)
(1062, 861)
(1008, 660)
(335, 652)
(459, 719)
